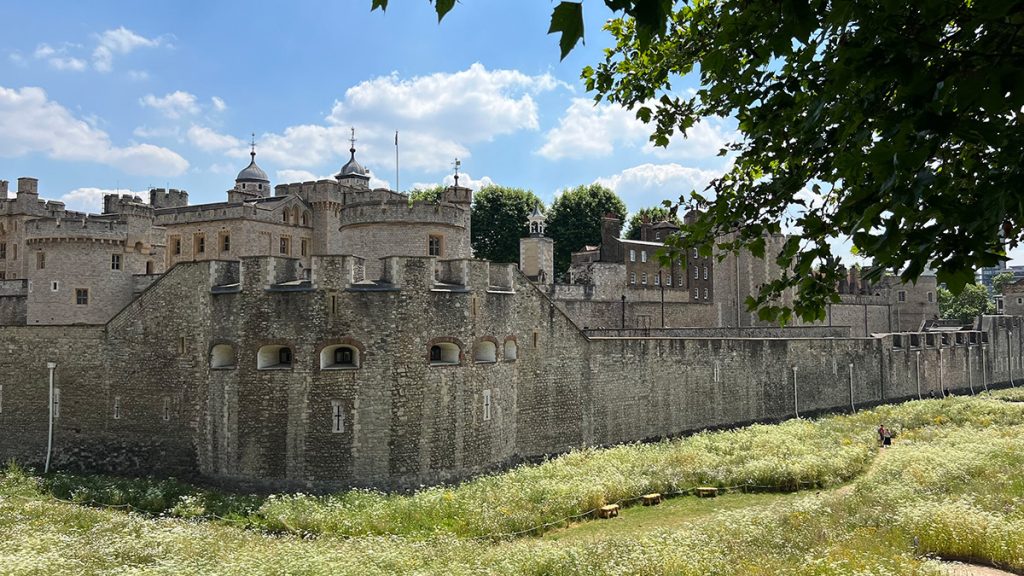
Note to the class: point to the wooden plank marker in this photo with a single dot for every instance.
(608, 511)
(651, 499)
(707, 492)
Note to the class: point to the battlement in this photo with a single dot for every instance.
(87, 228)
(167, 198)
(4, 184)
(399, 210)
(312, 191)
(28, 185)
(126, 204)
(204, 212)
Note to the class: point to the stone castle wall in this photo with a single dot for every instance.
(175, 380)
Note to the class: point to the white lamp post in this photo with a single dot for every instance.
(49, 436)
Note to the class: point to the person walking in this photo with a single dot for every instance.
(886, 437)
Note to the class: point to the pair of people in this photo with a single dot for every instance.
(884, 436)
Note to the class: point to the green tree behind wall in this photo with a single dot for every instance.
(499, 221)
(971, 302)
(574, 219)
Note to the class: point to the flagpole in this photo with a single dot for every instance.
(397, 187)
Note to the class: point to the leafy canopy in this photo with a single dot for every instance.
(1001, 281)
(574, 219)
(896, 125)
(655, 214)
(971, 302)
(499, 221)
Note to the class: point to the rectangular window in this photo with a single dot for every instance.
(181, 345)
(668, 280)
(694, 252)
(487, 405)
(115, 261)
(304, 247)
(56, 402)
(643, 278)
(337, 417)
(199, 242)
(632, 277)
(176, 245)
(286, 245)
(14, 251)
(902, 295)
(931, 297)
(54, 286)
(696, 293)
(434, 245)
(117, 407)
(643, 255)
(3, 250)
(40, 260)
(705, 293)
(167, 409)
(657, 235)
(696, 273)
(82, 296)
(657, 279)
(225, 243)
(705, 272)
(632, 255)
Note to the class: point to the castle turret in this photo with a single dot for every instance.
(536, 251)
(252, 181)
(352, 173)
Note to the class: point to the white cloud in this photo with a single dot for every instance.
(119, 41)
(158, 132)
(648, 184)
(438, 117)
(138, 75)
(210, 141)
(58, 59)
(31, 123)
(173, 105)
(468, 181)
(288, 176)
(91, 199)
(218, 104)
(17, 59)
(593, 131)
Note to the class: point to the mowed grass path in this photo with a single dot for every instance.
(954, 482)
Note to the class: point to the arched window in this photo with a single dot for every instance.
(511, 350)
(485, 352)
(339, 357)
(274, 357)
(222, 356)
(305, 218)
(444, 353)
(284, 216)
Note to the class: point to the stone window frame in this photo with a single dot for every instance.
(175, 242)
(306, 218)
(696, 293)
(115, 262)
(657, 279)
(632, 277)
(199, 243)
(705, 293)
(166, 412)
(221, 359)
(901, 296)
(488, 402)
(304, 246)
(439, 251)
(705, 272)
(668, 280)
(118, 412)
(224, 241)
(270, 354)
(327, 351)
(643, 278)
(337, 415)
(514, 350)
(446, 345)
(285, 245)
(81, 296)
(931, 297)
(696, 273)
(40, 260)
(55, 286)
(643, 255)
(480, 350)
(632, 255)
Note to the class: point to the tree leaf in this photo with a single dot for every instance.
(567, 18)
(382, 4)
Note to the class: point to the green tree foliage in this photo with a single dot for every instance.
(432, 194)
(902, 120)
(971, 302)
(655, 213)
(499, 221)
(574, 219)
(1001, 281)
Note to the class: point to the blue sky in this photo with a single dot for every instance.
(97, 96)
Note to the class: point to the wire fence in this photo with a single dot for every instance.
(498, 536)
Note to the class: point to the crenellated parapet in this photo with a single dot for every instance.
(88, 229)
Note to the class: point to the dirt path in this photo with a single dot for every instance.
(961, 569)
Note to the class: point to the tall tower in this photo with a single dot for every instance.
(352, 173)
(536, 251)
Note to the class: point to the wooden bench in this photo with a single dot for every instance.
(651, 499)
(608, 511)
(707, 492)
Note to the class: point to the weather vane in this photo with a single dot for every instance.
(252, 152)
(353, 139)
(458, 163)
